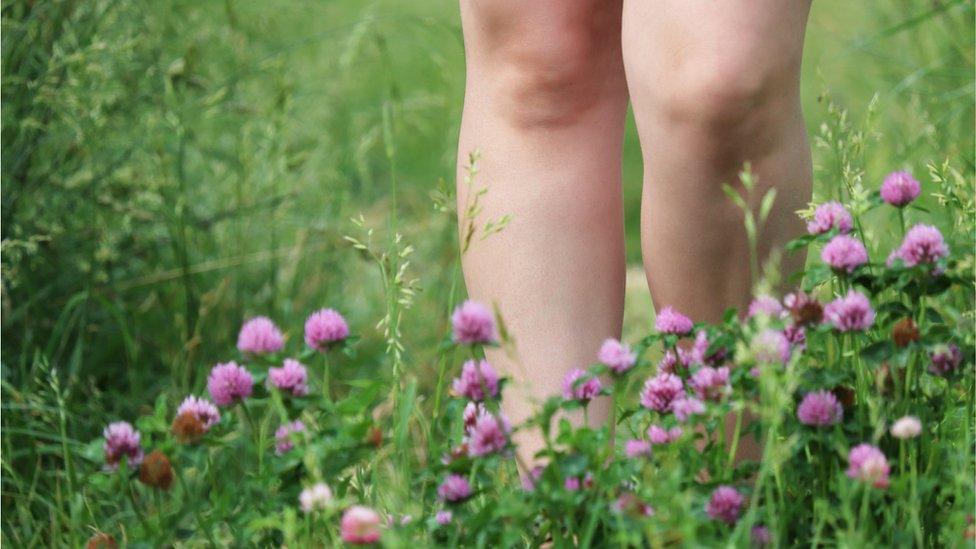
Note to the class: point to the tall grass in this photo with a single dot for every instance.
(172, 168)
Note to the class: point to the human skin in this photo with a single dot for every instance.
(713, 84)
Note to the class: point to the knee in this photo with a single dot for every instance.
(732, 105)
(551, 72)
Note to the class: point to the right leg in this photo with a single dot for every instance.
(545, 103)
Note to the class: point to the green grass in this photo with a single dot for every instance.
(170, 168)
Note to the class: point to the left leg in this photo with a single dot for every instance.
(714, 84)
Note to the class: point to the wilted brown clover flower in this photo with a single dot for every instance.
(156, 471)
(187, 428)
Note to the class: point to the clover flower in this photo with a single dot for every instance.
(725, 504)
(659, 435)
(771, 347)
(489, 435)
(820, 408)
(945, 359)
(229, 382)
(900, 188)
(710, 383)
(472, 323)
(259, 336)
(202, 409)
(284, 436)
(637, 448)
(844, 254)
(830, 215)
(923, 244)
(316, 496)
(325, 329)
(617, 356)
(850, 313)
(670, 321)
(583, 391)
(121, 439)
(292, 377)
(478, 381)
(765, 305)
(360, 525)
(455, 488)
(906, 427)
(868, 464)
(660, 392)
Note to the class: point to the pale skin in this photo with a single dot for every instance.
(713, 84)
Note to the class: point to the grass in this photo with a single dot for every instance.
(171, 168)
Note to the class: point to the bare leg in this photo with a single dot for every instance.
(545, 103)
(714, 84)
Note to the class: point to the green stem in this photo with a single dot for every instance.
(326, 380)
(132, 501)
(612, 442)
(735, 440)
(201, 524)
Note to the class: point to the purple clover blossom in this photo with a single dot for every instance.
(710, 383)
(686, 407)
(325, 329)
(489, 435)
(583, 391)
(472, 323)
(659, 435)
(923, 244)
(228, 383)
(672, 360)
(259, 336)
(771, 347)
(900, 188)
(850, 313)
(121, 439)
(868, 464)
(844, 254)
(765, 305)
(202, 409)
(292, 377)
(670, 321)
(617, 356)
(820, 408)
(725, 505)
(455, 488)
(478, 381)
(637, 448)
(660, 392)
(830, 215)
(285, 436)
(945, 359)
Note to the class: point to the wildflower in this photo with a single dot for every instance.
(710, 383)
(760, 536)
(455, 488)
(900, 188)
(229, 382)
(121, 440)
(686, 407)
(923, 244)
(156, 471)
(765, 305)
(473, 323)
(284, 436)
(259, 336)
(292, 377)
(661, 391)
(443, 517)
(637, 448)
(904, 332)
(945, 359)
(374, 436)
(820, 408)
(906, 427)
(529, 480)
(472, 411)
(360, 525)
(725, 504)
(630, 504)
(316, 496)
(617, 356)
(478, 381)
(868, 464)
(576, 386)
(671, 360)
(187, 428)
(805, 309)
(325, 329)
(101, 540)
(830, 215)
(669, 321)
(844, 254)
(771, 347)
(488, 436)
(852, 312)
(202, 409)
(660, 435)
(797, 336)
(571, 484)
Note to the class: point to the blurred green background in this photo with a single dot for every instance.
(170, 168)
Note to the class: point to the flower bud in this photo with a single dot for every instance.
(156, 471)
